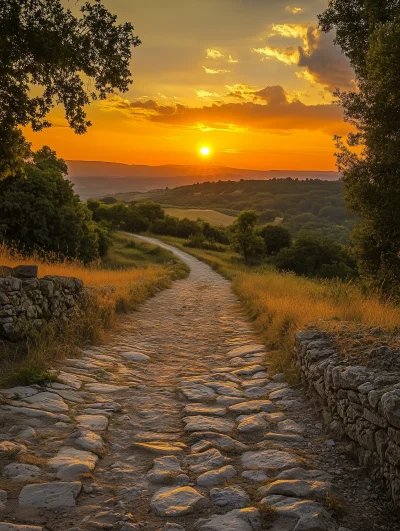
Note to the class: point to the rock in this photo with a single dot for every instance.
(225, 389)
(31, 412)
(246, 350)
(105, 388)
(234, 497)
(216, 477)
(302, 474)
(203, 423)
(228, 400)
(161, 447)
(25, 271)
(5, 526)
(88, 440)
(251, 424)
(69, 379)
(200, 409)
(249, 371)
(237, 520)
(256, 392)
(48, 401)
(204, 461)
(3, 499)
(136, 356)
(294, 507)
(290, 426)
(282, 394)
(252, 406)
(391, 407)
(92, 422)
(297, 488)
(26, 434)
(269, 460)
(200, 446)
(19, 392)
(171, 527)
(220, 441)
(165, 469)
(106, 406)
(50, 495)
(286, 439)
(20, 471)
(177, 501)
(315, 522)
(294, 405)
(198, 392)
(256, 476)
(71, 463)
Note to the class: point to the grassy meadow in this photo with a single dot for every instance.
(211, 216)
(134, 269)
(280, 304)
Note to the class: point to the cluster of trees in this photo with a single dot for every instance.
(309, 255)
(39, 212)
(140, 217)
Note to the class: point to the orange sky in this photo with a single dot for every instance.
(250, 79)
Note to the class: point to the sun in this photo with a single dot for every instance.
(205, 151)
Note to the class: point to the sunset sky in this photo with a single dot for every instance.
(252, 80)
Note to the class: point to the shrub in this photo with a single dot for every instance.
(275, 238)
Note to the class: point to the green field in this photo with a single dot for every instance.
(212, 216)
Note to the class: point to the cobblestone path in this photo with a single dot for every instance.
(175, 424)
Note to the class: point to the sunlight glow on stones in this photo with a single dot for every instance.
(205, 151)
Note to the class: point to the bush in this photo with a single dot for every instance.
(312, 256)
(275, 238)
(198, 241)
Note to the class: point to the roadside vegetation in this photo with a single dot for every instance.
(131, 272)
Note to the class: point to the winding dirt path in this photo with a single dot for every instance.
(175, 424)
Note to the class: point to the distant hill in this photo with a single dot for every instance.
(93, 179)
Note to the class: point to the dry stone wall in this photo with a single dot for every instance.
(358, 402)
(27, 302)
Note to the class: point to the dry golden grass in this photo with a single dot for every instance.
(281, 304)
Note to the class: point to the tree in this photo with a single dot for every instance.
(369, 34)
(69, 60)
(269, 215)
(275, 238)
(245, 239)
(313, 256)
(40, 212)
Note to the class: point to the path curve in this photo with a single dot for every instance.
(174, 424)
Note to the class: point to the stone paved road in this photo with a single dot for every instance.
(175, 424)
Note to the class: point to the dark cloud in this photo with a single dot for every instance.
(276, 112)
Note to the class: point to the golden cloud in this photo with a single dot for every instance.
(214, 54)
(213, 71)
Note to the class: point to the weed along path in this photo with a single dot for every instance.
(175, 424)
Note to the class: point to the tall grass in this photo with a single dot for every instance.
(281, 304)
(28, 363)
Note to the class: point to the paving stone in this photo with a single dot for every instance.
(220, 441)
(225, 389)
(201, 446)
(69, 379)
(316, 522)
(282, 394)
(269, 460)
(204, 461)
(199, 392)
(249, 371)
(19, 392)
(92, 422)
(161, 447)
(234, 497)
(47, 401)
(303, 474)
(228, 400)
(256, 392)
(31, 412)
(88, 440)
(255, 476)
(177, 501)
(216, 477)
(245, 350)
(201, 409)
(107, 406)
(25, 434)
(294, 405)
(252, 406)
(237, 520)
(171, 527)
(297, 488)
(57, 495)
(294, 507)
(203, 423)
(251, 424)
(6, 526)
(21, 471)
(164, 470)
(71, 463)
(259, 382)
(290, 426)
(105, 388)
(286, 439)
(136, 356)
